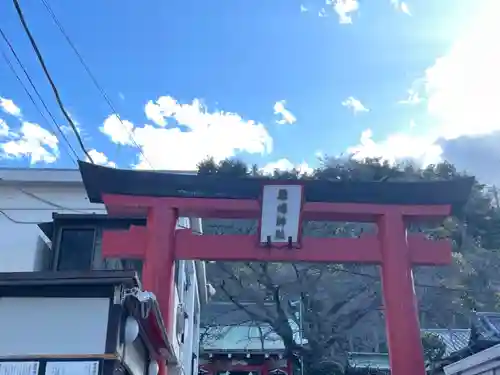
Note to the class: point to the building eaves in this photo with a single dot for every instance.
(51, 175)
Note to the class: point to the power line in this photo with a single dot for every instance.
(51, 82)
(15, 221)
(55, 127)
(93, 78)
(67, 145)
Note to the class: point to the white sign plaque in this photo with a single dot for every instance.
(281, 206)
(19, 368)
(72, 368)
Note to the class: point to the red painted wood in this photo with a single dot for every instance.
(213, 369)
(124, 205)
(402, 325)
(424, 252)
(265, 368)
(331, 250)
(158, 267)
(247, 248)
(289, 368)
(129, 244)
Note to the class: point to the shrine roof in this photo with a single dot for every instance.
(99, 180)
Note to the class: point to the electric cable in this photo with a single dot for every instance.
(43, 200)
(55, 127)
(14, 221)
(49, 78)
(93, 78)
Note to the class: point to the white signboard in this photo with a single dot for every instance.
(19, 368)
(281, 206)
(72, 368)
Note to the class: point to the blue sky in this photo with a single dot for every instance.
(273, 82)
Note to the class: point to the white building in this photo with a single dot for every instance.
(486, 362)
(29, 197)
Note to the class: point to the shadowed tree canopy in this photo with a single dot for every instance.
(338, 308)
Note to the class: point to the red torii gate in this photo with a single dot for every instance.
(163, 198)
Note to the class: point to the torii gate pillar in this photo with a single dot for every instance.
(389, 205)
(402, 323)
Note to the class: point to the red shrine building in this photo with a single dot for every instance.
(141, 228)
(233, 345)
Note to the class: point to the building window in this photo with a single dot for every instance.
(80, 249)
(76, 249)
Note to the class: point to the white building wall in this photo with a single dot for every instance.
(85, 318)
(189, 302)
(22, 206)
(29, 197)
(187, 295)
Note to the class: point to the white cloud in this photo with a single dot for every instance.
(345, 9)
(218, 134)
(34, 142)
(413, 98)
(100, 158)
(354, 104)
(405, 9)
(8, 106)
(4, 128)
(397, 146)
(286, 165)
(165, 106)
(462, 101)
(401, 6)
(119, 131)
(303, 9)
(287, 117)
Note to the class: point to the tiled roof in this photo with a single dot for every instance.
(379, 361)
(229, 328)
(244, 337)
(454, 339)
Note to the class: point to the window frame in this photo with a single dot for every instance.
(59, 234)
(97, 222)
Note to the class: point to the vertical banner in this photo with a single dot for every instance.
(280, 217)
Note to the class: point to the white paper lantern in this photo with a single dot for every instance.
(131, 330)
(153, 368)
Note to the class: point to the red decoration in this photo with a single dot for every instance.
(214, 368)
